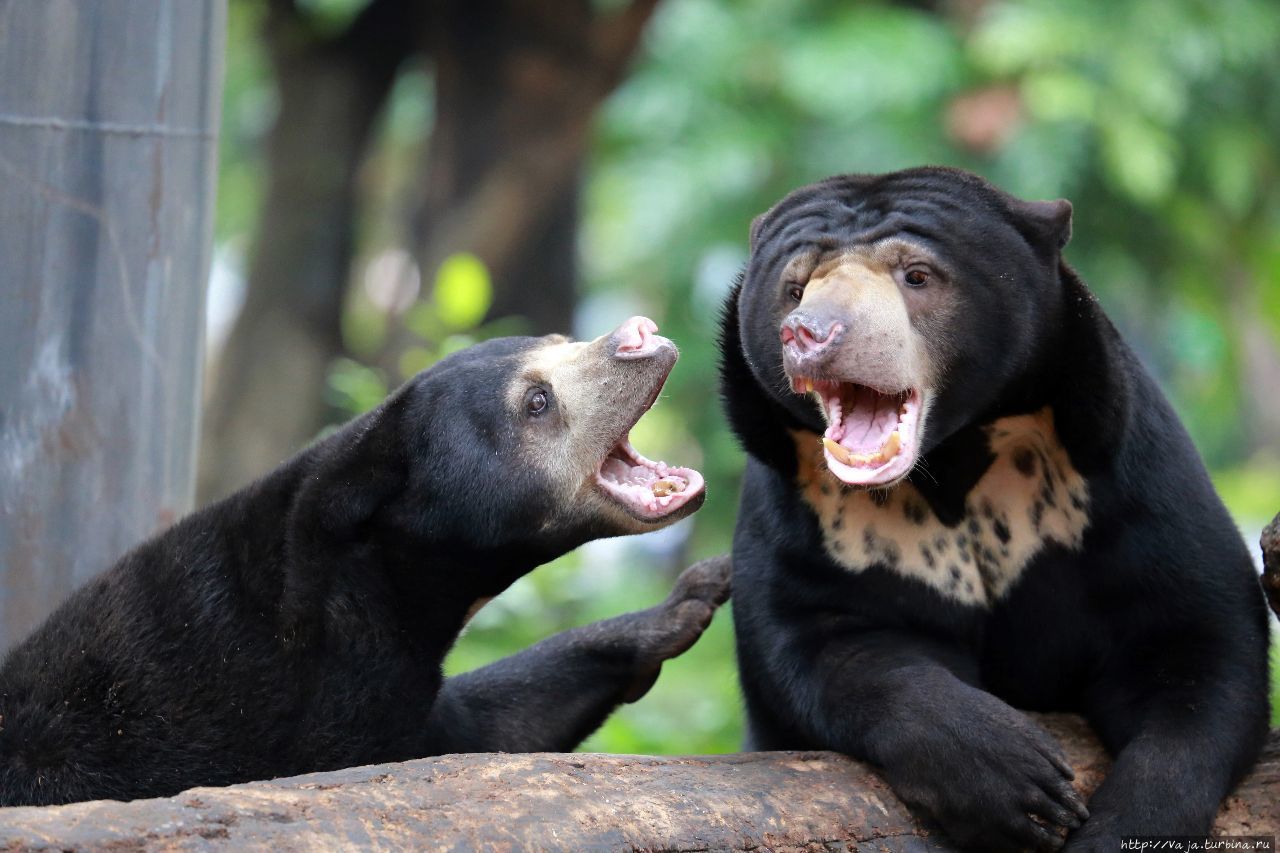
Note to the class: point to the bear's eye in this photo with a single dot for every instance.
(917, 277)
(535, 401)
(795, 291)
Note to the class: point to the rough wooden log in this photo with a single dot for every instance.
(788, 801)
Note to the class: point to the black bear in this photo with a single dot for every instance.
(965, 496)
(300, 624)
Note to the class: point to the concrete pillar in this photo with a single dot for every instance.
(108, 129)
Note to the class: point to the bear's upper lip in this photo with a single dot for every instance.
(872, 435)
(650, 491)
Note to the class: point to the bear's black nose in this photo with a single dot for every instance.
(805, 335)
(636, 338)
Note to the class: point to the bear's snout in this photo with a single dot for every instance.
(807, 336)
(636, 338)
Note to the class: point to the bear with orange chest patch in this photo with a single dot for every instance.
(965, 498)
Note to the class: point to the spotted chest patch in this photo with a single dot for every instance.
(1029, 497)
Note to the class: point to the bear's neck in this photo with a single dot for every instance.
(432, 588)
(324, 574)
(1076, 371)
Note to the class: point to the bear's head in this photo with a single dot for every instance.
(507, 454)
(541, 426)
(885, 312)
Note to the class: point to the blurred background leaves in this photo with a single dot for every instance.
(401, 178)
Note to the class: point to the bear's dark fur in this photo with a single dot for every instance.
(300, 624)
(1032, 529)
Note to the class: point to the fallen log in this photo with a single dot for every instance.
(1271, 563)
(785, 801)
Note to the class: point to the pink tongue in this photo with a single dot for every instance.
(868, 420)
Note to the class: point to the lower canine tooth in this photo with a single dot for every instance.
(808, 385)
(837, 451)
(892, 446)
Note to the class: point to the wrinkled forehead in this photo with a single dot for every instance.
(926, 208)
(813, 263)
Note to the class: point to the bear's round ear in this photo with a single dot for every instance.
(753, 236)
(755, 228)
(1049, 221)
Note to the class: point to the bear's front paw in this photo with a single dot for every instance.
(994, 780)
(669, 629)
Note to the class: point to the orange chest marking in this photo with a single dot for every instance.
(1029, 497)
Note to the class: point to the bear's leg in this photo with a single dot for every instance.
(1184, 729)
(551, 696)
(912, 707)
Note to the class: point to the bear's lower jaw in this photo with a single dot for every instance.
(872, 436)
(647, 490)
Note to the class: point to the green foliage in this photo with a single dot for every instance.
(448, 321)
(1252, 490)
(693, 708)
(355, 387)
(330, 16)
(463, 292)
(1157, 118)
(248, 107)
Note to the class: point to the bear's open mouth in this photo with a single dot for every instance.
(871, 434)
(649, 490)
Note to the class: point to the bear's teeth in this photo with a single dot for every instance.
(838, 451)
(663, 488)
(892, 445)
(842, 454)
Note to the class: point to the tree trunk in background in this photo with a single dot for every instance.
(267, 397)
(518, 84)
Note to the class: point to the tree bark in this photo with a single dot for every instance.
(784, 801)
(267, 396)
(1271, 564)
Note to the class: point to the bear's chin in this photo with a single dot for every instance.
(872, 436)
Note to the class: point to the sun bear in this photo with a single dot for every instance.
(300, 624)
(965, 498)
